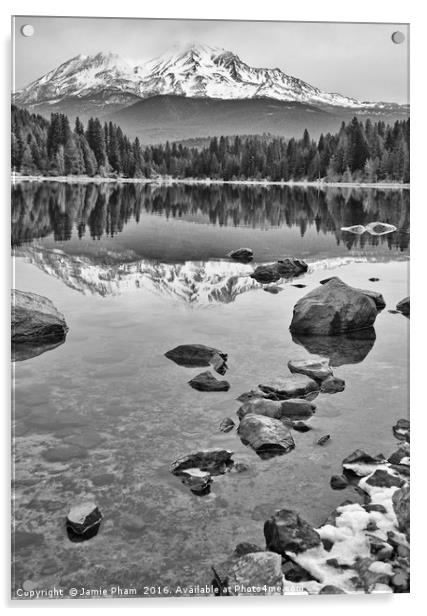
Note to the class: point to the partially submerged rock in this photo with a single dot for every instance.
(213, 461)
(333, 308)
(277, 409)
(332, 385)
(318, 369)
(401, 506)
(402, 430)
(356, 229)
(198, 355)
(258, 570)
(274, 289)
(362, 463)
(83, 521)
(205, 381)
(286, 532)
(198, 481)
(288, 267)
(404, 306)
(295, 386)
(226, 425)
(301, 426)
(324, 439)
(380, 228)
(245, 255)
(338, 482)
(265, 435)
(349, 348)
(37, 325)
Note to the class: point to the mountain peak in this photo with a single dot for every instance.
(194, 70)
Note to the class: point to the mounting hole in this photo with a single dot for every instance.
(398, 37)
(27, 30)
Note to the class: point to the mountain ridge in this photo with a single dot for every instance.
(193, 71)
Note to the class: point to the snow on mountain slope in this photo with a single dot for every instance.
(196, 71)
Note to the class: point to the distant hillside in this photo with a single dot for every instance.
(175, 118)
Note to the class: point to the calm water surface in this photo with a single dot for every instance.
(137, 270)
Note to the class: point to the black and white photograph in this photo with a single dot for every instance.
(210, 229)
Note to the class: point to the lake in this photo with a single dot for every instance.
(138, 269)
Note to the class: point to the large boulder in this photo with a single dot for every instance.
(295, 386)
(377, 297)
(333, 308)
(205, 381)
(265, 434)
(277, 409)
(286, 532)
(318, 369)
(289, 267)
(37, 325)
(198, 355)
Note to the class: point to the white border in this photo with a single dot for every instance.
(410, 11)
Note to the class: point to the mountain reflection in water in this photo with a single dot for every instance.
(42, 209)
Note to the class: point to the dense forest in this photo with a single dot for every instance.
(361, 151)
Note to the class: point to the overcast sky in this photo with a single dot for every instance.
(357, 60)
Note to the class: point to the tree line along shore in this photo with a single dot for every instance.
(360, 152)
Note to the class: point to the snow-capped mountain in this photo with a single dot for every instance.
(196, 71)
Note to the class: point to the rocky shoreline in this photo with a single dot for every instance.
(360, 548)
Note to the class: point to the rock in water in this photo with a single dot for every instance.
(324, 439)
(277, 409)
(83, 521)
(273, 289)
(318, 369)
(265, 274)
(300, 426)
(338, 482)
(333, 308)
(213, 461)
(380, 228)
(285, 268)
(37, 325)
(401, 499)
(295, 386)
(404, 306)
(377, 297)
(402, 430)
(205, 381)
(356, 229)
(265, 435)
(198, 355)
(261, 570)
(349, 348)
(288, 267)
(226, 425)
(332, 385)
(241, 254)
(198, 481)
(285, 532)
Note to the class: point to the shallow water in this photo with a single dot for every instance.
(137, 273)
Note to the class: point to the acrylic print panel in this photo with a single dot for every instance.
(210, 311)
